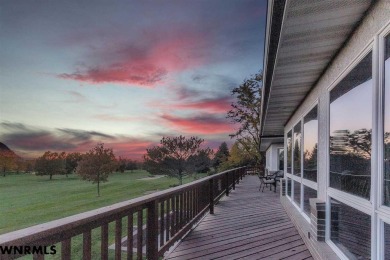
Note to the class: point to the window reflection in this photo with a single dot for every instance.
(387, 241)
(281, 159)
(289, 149)
(351, 230)
(387, 124)
(308, 193)
(350, 131)
(310, 140)
(297, 192)
(297, 149)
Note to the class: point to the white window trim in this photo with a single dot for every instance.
(353, 201)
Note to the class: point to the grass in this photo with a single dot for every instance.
(28, 200)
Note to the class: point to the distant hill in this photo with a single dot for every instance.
(4, 148)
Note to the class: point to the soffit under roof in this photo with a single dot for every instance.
(312, 32)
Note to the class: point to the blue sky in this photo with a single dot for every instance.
(126, 73)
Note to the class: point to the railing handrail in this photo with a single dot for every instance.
(73, 224)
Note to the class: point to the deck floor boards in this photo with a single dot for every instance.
(248, 224)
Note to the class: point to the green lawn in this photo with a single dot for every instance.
(27, 200)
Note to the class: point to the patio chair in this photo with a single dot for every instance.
(270, 180)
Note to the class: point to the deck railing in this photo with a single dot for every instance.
(161, 218)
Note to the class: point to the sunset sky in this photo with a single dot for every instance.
(125, 73)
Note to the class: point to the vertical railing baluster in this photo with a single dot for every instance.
(196, 200)
(227, 183)
(162, 220)
(130, 236)
(87, 245)
(181, 209)
(65, 249)
(139, 234)
(191, 204)
(173, 230)
(211, 194)
(185, 207)
(118, 239)
(168, 219)
(177, 217)
(152, 231)
(104, 243)
(38, 256)
(234, 180)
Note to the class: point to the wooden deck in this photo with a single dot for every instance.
(248, 224)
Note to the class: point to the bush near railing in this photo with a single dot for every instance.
(164, 217)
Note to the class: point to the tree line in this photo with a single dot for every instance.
(174, 156)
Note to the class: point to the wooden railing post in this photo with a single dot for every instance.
(211, 194)
(237, 174)
(227, 183)
(152, 229)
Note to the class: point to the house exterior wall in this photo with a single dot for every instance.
(366, 38)
(272, 157)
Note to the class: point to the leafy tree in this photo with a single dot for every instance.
(121, 164)
(50, 163)
(97, 164)
(172, 156)
(7, 161)
(71, 161)
(131, 165)
(221, 155)
(246, 111)
(201, 161)
(238, 156)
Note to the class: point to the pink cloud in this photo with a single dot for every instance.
(217, 105)
(204, 124)
(144, 66)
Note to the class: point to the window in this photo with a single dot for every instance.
(308, 193)
(387, 241)
(386, 152)
(297, 192)
(297, 149)
(350, 230)
(310, 140)
(350, 131)
(281, 159)
(289, 150)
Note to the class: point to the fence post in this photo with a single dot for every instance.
(237, 174)
(211, 195)
(152, 229)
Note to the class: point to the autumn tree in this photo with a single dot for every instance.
(71, 162)
(238, 156)
(246, 112)
(172, 156)
(221, 155)
(50, 163)
(97, 164)
(8, 161)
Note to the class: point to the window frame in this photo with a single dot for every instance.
(354, 201)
